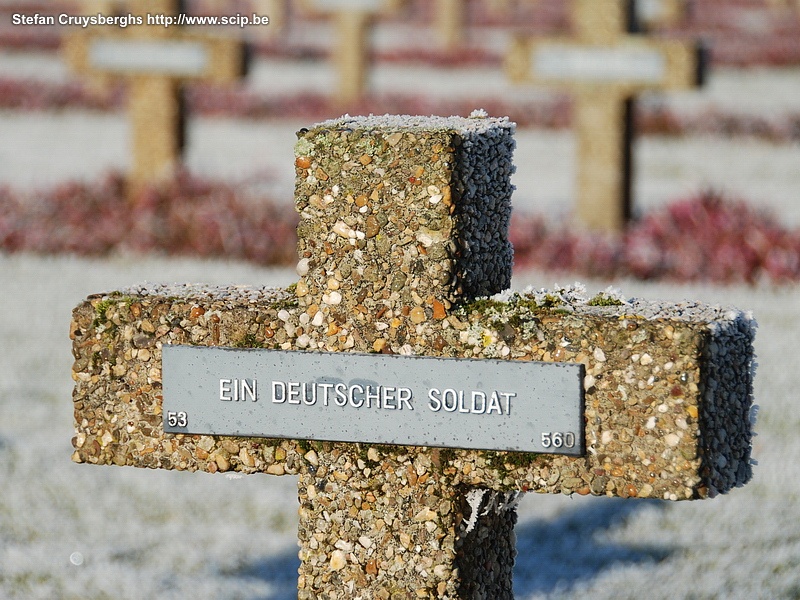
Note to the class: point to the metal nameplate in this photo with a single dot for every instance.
(485, 404)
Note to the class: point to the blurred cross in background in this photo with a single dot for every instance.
(605, 66)
(155, 60)
(650, 14)
(353, 20)
(450, 22)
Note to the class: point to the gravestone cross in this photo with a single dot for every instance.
(450, 23)
(155, 59)
(605, 67)
(412, 408)
(353, 19)
(654, 13)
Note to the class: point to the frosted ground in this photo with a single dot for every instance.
(75, 531)
(80, 531)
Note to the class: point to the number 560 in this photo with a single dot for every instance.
(556, 439)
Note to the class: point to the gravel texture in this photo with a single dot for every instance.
(668, 387)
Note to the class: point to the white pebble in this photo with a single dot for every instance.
(599, 355)
(344, 545)
(312, 457)
(302, 267)
(425, 239)
(338, 560)
(283, 315)
(343, 229)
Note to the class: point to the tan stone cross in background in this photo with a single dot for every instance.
(604, 67)
(653, 13)
(155, 61)
(353, 20)
(450, 23)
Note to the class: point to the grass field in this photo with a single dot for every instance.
(76, 531)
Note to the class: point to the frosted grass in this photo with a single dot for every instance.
(78, 531)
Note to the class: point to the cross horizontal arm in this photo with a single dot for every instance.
(664, 415)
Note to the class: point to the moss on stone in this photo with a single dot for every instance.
(250, 341)
(101, 310)
(501, 460)
(288, 303)
(482, 306)
(550, 301)
(603, 299)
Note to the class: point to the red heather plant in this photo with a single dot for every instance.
(196, 217)
(185, 216)
(705, 238)
(27, 94)
(709, 239)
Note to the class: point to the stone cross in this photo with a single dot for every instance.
(155, 61)
(353, 19)
(605, 68)
(651, 13)
(277, 12)
(402, 243)
(450, 23)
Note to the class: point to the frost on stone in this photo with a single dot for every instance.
(565, 297)
(495, 503)
(504, 296)
(474, 500)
